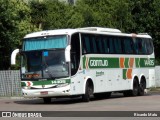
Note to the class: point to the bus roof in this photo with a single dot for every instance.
(91, 30)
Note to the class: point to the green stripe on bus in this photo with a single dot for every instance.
(84, 62)
(47, 82)
(137, 62)
(124, 73)
(104, 62)
(126, 63)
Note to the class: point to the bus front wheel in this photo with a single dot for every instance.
(88, 92)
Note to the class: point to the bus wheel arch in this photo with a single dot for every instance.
(142, 86)
(88, 90)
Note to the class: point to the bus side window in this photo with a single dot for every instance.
(135, 48)
(111, 45)
(140, 46)
(99, 44)
(128, 45)
(83, 45)
(94, 44)
(117, 44)
(87, 43)
(149, 46)
(105, 44)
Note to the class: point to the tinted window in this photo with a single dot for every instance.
(139, 44)
(103, 44)
(128, 45)
(117, 45)
(111, 44)
(99, 44)
(94, 44)
(87, 43)
(147, 46)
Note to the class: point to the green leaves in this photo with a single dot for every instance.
(14, 24)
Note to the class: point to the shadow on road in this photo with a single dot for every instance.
(65, 101)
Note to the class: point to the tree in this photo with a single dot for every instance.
(146, 16)
(56, 14)
(81, 15)
(38, 13)
(14, 24)
(102, 13)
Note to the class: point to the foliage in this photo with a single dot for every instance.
(38, 14)
(14, 23)
(146, 16)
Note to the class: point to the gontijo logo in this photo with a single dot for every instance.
(98, 63)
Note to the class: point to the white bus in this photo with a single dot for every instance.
(85, 62)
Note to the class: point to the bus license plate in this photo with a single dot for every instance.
(44, 93)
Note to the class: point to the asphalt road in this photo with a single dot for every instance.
(149, 102)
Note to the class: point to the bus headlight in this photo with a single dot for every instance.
(26, 88)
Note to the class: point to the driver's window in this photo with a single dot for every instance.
(75, 53)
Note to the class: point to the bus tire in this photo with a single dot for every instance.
(88, 92)
(142, 87)
(135, 90)
(47, 100)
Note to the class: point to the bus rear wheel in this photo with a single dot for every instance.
(88, 92)
(142, 87)
(135, 90)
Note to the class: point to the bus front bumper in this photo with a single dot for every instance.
(52, 92)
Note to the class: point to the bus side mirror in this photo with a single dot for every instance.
(13, 56)
(67, 53)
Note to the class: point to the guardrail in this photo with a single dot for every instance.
(10, 84)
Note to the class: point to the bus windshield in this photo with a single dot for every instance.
(44, 58)
(44, 64)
